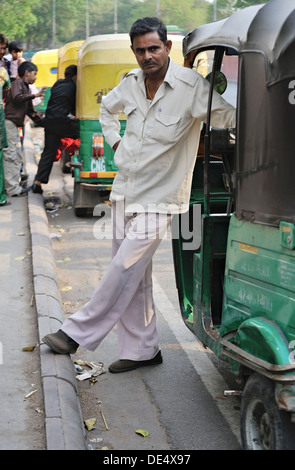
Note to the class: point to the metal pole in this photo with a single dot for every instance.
(53, 24)
(87, 19)
(158, 9)
(214, 10)
(115, 17)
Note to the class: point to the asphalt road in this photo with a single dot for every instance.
(180, 403)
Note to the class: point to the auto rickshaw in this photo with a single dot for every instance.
(236, 281)
(67, 55)
(46, 62)
(103, 61)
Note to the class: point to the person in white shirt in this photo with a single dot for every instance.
(165, 105)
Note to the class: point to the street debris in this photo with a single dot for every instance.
(142, 432)
(29, 348)
(103, 416)
(31, 393)
(66, 288)
(89, 423)
(94, 370)
(55, 235)
(229, 393)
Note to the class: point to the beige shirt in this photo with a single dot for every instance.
(157, 154)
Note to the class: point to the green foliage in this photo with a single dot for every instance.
(32, 20)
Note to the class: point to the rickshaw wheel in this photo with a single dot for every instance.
(263, 425)
(64, 159)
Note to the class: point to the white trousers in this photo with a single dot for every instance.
(124, 295)
(12, 159)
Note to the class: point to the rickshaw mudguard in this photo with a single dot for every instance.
(264, 339)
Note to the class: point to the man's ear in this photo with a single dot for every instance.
(168, 45)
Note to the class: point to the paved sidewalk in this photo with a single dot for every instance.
(22, 416)
(30, 307)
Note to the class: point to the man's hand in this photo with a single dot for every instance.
(116, 145)
(41, 92)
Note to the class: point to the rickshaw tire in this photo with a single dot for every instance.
(259, 410)
(64, 159)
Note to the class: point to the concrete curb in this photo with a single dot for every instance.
(63, 416)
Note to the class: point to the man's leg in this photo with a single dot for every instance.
(12, 160)
(111, 299)
(51, 145)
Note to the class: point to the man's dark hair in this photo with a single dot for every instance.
(71, 71)
(3, 39)
(148, 25)
(15, 46)
(26, 66)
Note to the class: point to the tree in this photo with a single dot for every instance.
(17, 18)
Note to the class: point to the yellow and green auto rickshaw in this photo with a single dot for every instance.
(67, 55)
(46, 62)
(236, 278)
(103, 61)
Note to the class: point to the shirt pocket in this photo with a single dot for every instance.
(164, 128)
(134, 117)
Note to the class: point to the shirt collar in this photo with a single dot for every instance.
(169, 77)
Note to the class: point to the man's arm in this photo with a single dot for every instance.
(20, 94)
(223, 114)
(110, 126)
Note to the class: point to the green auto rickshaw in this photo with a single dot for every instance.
(236, 278)
(67, 55)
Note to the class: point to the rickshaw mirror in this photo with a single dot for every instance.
(220, 81)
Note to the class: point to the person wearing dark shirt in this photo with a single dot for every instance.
(59, 123)
(18, 104)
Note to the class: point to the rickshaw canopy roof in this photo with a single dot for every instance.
(266, 28)
(46, 62)
(103, 61)
(68, 55)
(45, 57)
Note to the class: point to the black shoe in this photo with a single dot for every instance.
(22, 192)
(36, 188)
(123, 365)
(61, 343)
(23, 177)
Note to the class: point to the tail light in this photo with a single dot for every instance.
(97, 145)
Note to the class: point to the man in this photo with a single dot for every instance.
(18, 105)
(164, 104)
(3, 49)
(59, 123)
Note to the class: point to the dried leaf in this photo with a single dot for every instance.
(142, 432)
(66, 288)
(89, 423)
(29, 348)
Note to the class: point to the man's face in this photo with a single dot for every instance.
(150, 52)
(3, 48)
(30, 77)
